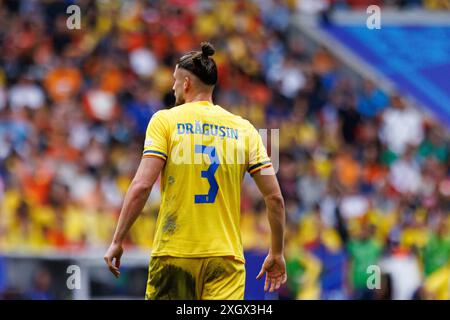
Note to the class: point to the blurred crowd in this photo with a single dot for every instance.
(362, 4)
(316, 6)
(365, 176)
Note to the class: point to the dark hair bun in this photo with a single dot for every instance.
(207, 49)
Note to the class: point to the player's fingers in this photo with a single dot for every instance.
(272, 284)
(278, 283)
(112, 268)
(117, 262)
(266, 283)
(284, 278)
(114, 271)
(260, 274)
(108, 260)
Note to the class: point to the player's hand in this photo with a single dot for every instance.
(275, 268)
(114, 252)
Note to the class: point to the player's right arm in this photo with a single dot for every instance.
(134, 202)
(153, 160)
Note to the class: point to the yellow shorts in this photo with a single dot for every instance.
(215, 278)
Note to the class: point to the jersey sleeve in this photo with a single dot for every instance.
(157, 136)
(258, 158)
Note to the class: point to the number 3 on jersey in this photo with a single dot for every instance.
(208, 174)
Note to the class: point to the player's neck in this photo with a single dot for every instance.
(200, 97)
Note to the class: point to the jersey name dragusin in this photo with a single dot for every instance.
(207, 129)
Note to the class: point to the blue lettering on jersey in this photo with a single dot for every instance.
(180, 127)
(210, 197)
(189, 127)
(214, 129)
(222, 131)
(234, 133)
(207, 129)
(198, 129)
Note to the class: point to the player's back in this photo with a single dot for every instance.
(207, 151)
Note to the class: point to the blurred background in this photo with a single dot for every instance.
(364, 118)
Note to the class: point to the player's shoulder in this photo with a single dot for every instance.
(241, 121)
(174, 111)
(246, 125)
(163, 116)
(162, 113)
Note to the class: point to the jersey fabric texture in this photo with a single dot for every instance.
(207, 152)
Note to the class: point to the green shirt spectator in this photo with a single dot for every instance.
(428, 149)
(363, 253)
(436, 253)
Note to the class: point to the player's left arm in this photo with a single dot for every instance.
(134, 202)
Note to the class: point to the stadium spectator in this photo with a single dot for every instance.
(403, 268)
(402, 126)
(41, 289)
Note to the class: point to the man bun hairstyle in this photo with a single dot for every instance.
(207, 49)
(200, 63)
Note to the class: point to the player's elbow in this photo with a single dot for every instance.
(141, 186)
(275, 202)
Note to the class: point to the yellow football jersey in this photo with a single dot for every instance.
(207, 152)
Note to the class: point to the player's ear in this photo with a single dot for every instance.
(186, 83)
